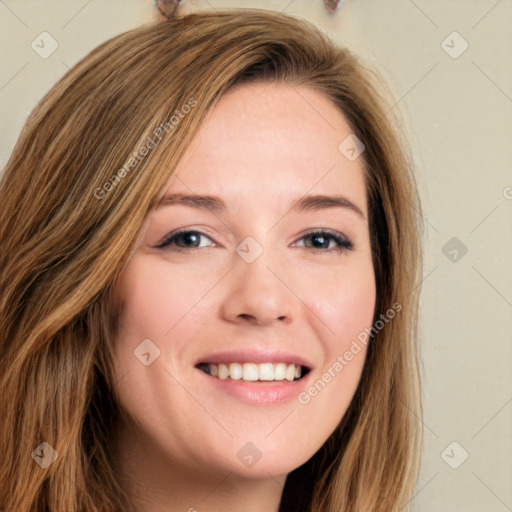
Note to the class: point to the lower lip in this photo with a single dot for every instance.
(259, 393)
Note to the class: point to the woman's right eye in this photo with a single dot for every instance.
(188, 238)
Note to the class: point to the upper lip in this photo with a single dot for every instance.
(255, 355)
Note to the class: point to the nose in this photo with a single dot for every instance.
(258, 293)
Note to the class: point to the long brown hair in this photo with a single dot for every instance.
(74, 195)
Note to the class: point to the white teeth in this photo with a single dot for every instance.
(250, 371)
(266, 371)
(235, 371)
(222, 372)
(253, 372)
(280, 371)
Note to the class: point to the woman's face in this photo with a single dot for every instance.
(253, 285)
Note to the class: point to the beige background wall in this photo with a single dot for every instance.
(458, 115)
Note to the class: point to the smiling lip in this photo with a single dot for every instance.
(257, 393)
(255, 356)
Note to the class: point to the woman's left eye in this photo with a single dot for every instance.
(323, 237)
(320, 239)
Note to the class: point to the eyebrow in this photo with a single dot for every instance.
(305, 203)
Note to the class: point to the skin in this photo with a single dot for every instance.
(262, 146)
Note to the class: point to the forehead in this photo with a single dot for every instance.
(266, 143)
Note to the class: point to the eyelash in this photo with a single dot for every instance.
(343, 243)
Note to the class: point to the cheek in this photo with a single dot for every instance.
(147, 310)
(153, 301)
(347, 306)
(151, 304)
(158, 305)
